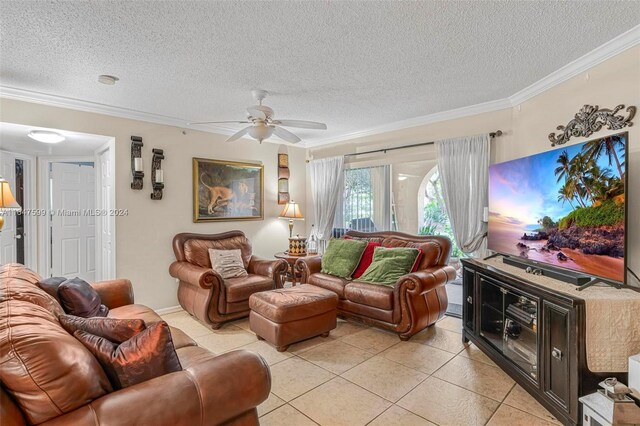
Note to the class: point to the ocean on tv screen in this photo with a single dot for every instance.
(564, 207)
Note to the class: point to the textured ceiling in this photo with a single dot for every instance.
(351, 64)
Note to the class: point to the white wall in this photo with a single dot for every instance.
(144, 237)
(527, 126)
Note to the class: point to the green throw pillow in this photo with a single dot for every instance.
(342, 256)
(389, 264)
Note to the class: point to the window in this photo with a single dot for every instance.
(366, 202)
(435, 220)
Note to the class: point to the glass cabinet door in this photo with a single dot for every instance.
(491, 313)
(521, 332)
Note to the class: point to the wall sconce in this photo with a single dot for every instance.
(157, 174)
(136, 162)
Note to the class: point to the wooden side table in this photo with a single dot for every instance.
(291, 260)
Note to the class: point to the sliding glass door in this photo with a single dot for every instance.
(366, 201)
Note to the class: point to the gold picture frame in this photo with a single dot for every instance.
(227, 190)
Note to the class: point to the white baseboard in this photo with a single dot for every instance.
(169, 310)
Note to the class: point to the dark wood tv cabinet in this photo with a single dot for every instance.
(536, 335)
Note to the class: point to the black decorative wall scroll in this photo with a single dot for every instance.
(591, 119)
(157, 175)
(136, 162)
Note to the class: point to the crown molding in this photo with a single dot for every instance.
(98, 108)
(600, 54)
(417, 121)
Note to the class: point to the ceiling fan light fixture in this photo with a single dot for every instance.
(46, 136)
(264, 125)
(261, 132)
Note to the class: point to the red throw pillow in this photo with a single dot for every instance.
(418, 259)
(365, 261)
(147, 355)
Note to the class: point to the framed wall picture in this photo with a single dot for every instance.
(227, 190)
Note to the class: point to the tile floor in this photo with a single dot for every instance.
(361, 375)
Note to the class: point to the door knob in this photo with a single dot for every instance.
(17, 237)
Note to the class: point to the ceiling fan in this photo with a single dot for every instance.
(264, 125)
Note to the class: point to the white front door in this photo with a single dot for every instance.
(72, 224)
(8, 246)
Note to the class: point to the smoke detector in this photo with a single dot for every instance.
(109, 80)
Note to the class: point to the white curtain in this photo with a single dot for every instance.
(326, 187)
(463, 164)
(381, 191)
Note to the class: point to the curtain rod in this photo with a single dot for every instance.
(492, 135)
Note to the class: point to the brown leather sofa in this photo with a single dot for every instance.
(204, 293)
(49, 378)
(415, 302)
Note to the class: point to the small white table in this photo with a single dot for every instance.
(598, 410)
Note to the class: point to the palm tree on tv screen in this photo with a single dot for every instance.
(568, 193)
(607, 146)
(580, 169)
(586, 181)
(564, 169)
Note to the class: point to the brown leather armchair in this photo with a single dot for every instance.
(415, 302)
(49, 378)
(204, 293)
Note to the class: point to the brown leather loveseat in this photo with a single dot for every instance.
(415, 302)
(204, 293)
(49, 378)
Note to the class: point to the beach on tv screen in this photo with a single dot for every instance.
(564, 207)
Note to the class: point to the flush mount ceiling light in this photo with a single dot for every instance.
(46, 136)
(109, 80)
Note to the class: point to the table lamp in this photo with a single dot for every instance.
(291, 211)
(298, 245)
(7, 201)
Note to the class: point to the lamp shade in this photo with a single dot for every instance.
(7, 201)
(291, 211)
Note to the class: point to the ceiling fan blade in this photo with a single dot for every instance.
(219, 122)
(239, 134)
(285, 134)
(303, 124)
(256, 113)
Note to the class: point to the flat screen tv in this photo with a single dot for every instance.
(564, 207)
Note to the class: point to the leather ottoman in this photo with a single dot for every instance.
(289, 315)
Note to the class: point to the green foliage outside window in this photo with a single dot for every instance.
(358, 198)
(435, 220)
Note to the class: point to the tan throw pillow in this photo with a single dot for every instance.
(227, 263)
